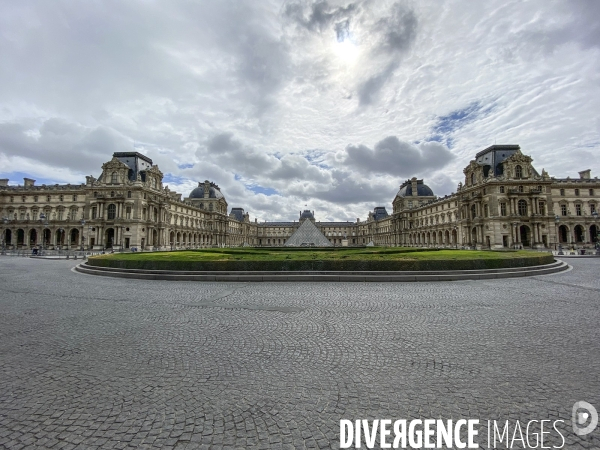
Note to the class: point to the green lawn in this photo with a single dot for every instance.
(314, 259)
(302, 254)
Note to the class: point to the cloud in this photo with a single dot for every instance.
(57, 141)
(395, 157)
(318, 15)
(255, 165)
(398, 30)
(396, 33)
(281, 104)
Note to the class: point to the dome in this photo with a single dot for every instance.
(306, 214)
(213, 191)
(406, 190)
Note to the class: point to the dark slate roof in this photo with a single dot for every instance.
(238, 214)
(380, 212)
(422, 189)
(277, 224)
(306, 214)
(213, 191)
(336, 224)
(308, 235)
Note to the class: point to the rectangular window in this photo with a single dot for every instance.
(48, 198)
(563, 210)
(74, 197)
(592, 208)
(562, 192)
(542, 208)
(591, 192)
(60, 214)
(24, 199)
(35, 198)
(503, 209)
(577, 192)
(12, 199)
(578, 210)
(94, 212)
(34, 215)
(60, 198)
(128, 212)
(22, 215)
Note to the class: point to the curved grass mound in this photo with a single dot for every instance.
(310, 259)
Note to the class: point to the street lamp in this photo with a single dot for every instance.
(60, 237)
(455, 237)
(595, 216)
(516, 238)
(556, 221)
(44, 222)
(82, 222)
(5, 220)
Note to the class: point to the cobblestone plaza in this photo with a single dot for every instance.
(91, 362)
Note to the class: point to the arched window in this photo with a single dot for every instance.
(112, 211)
(113, 178)
(472, 179)
(518, 172)
(522, 206)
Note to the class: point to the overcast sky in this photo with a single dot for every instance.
(292, 103)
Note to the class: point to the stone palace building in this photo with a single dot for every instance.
(504, 202)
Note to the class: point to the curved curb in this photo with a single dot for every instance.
(450, 275)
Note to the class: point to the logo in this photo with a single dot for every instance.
(585, 418)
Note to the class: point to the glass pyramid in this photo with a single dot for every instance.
(308, 235)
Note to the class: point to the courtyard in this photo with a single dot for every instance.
(89, 362)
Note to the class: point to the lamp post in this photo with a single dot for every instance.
(597, 245)
(455, 237)
(44, 222)
(516, 238)
(5, 220)
(557, 221)
(60, 237)
(82, 222)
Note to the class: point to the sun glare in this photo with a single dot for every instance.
(346, 51)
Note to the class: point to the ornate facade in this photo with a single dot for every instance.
(504, 202)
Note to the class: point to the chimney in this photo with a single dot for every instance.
(28, 182)
(413, 183)
(585, 174)
(4, 182)
(206, 189)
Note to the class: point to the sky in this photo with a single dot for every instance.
(291, 105)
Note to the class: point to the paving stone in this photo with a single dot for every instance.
(93, 362)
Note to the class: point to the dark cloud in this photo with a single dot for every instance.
(396, 34)
(368, 90)
(82, 56)
(256, 165)
(578, 24)
(62, 144)
(347, 188)
(396, 157)
(398, 30)
(318, 15)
